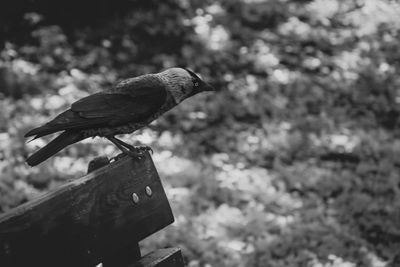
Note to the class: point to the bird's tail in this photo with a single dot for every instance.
(63, 140)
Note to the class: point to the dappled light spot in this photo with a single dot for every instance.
(37, 102)
(33, 17)
(169, 140)
(385, 67)
(54, 102)
(215, 9)
(252, 85)
(342, 142)
(220, 159)
(28, 190)
(78, 74)
(4, 139)
(68, 90)
(197, 115)
(219, 37)
(146, 137)
(281, 76)
(221, 219)
(282, 220)
(295, 27)
(179, 193)
(35, 144)
(101, 146)
(70, 93)
(69, 165)
(373, 259)
(349, 63)
(375, 13)
(263, 57)
(312, 62)
(255, 182)
(173, 165)
(228, 77)
(201, 23)
(266, 60)
(109, 149)
(236, 245)
(20, 65)
(214, 37)
(323, 10)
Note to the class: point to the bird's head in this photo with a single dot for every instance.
(183, 83)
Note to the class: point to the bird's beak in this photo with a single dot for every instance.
(208, 87)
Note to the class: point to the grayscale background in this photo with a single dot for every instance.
(294, 161)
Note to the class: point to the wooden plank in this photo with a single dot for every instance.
(168, 257)
(88, 219)
(122, 257)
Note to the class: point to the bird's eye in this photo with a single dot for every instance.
(196, 84)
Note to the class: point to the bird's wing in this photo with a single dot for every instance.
(119, 108)
(106, 110)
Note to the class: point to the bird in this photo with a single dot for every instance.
(122, 109)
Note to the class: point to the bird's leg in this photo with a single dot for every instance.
(118, 144)
(122, 143)
(134, 151)
(139, 149)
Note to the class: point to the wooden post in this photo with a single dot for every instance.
(97, 218)
(168, 257)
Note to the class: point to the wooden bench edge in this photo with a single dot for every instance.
(166, 257)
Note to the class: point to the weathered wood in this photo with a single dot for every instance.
(87, 220)
(97, 163)
(168, 257)
(122, 257)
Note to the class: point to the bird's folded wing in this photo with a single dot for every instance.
(119, 108)
(107, 110)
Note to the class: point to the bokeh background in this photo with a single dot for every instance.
(294, 162)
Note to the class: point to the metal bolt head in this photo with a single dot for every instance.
(135, 198)
(149, 192)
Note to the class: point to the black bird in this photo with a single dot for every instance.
(128, 106)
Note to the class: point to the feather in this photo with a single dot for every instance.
(63, 140)
(105, 110)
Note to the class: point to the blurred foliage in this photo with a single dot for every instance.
(295, 162)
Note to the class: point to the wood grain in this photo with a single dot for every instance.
(168, 257)
(88, 219)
